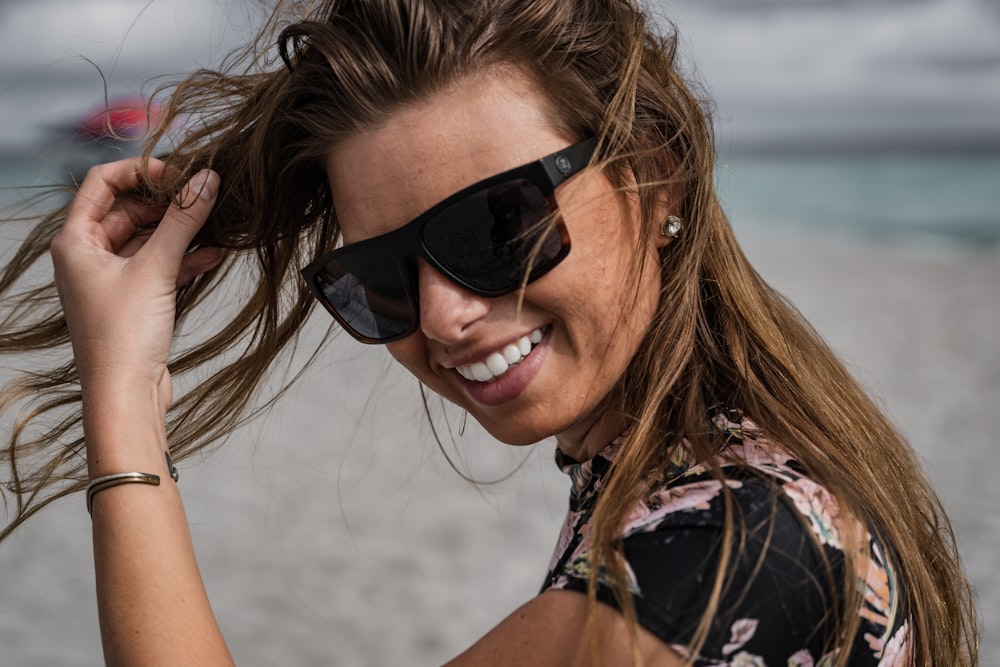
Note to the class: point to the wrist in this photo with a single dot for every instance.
(115, 389)
(124, 429)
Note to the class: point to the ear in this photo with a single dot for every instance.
(666, 202)
(663, 228)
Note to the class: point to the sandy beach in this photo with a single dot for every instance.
(332, 532)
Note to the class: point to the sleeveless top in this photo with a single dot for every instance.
(779, 589)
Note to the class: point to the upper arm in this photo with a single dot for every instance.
(552, 630)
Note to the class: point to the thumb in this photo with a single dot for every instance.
(198, 262)
(183, 219)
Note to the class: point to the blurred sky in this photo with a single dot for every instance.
(827, 71)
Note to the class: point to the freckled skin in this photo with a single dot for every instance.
(386, 176)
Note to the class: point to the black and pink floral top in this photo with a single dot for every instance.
(775, 607)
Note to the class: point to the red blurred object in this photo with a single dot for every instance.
(122, 118)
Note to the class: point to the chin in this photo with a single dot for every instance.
(518, 435)
(516, 439)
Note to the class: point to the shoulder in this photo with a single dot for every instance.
(778, 537)
(777, 583)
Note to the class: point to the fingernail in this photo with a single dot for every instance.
(205, 184)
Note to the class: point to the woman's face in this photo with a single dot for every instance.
(579, 325)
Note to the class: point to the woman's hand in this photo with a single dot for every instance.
(117, 268)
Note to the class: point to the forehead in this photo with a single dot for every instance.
(385, 176)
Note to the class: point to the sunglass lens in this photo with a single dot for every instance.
(367, 290)
(491, 238)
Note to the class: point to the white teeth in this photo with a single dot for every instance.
(512, 353)
(480, 373)
(497, 364)
(523, 346)
(501, 361)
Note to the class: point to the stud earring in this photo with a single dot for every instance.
(671, 227)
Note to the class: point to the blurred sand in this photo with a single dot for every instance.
(333, 532)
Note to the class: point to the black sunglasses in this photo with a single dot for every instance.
(490, 238)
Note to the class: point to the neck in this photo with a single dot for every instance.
(586, 438)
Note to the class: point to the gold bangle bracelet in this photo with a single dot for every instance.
(117, 479)
(108, 481)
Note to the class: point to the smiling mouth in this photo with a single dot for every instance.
(498, 363)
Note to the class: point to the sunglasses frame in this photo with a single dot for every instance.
(407, 243)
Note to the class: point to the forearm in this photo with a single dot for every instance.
(152, 604)
(118, 283)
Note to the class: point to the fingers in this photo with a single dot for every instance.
(183, 219)
(129, 218)
(198, 262)
(107, 214)
(101, 188)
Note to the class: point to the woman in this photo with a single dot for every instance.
(517, 199)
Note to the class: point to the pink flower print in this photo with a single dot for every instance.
(681, 455)
(638, 516)
(744, 659)
(802, 659)
(581, 554)
(565, 537)
(693, 496)
(581, 565)
(582, 475)
(819, 506)
(877, 605)
(724, 423)
(739, 634)
(760, 454)
(897, 651)
(681, 650)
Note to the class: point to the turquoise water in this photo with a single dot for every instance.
(920, 196)
(925, 197)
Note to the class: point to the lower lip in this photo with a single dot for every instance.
(510, 385)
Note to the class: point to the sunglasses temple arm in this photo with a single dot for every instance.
(565, 163)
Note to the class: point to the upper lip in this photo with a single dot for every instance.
(480, 351)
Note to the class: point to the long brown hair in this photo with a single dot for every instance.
(720, 336)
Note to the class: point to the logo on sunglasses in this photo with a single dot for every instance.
(563, 164)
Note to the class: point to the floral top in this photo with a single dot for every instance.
(774, 610)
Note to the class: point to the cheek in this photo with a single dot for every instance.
(631, 289)
(626, 266)
(643, 296)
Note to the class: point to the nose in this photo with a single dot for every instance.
(446, 309)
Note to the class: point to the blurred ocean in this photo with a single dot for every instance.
(928, 197)
(921, 196)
